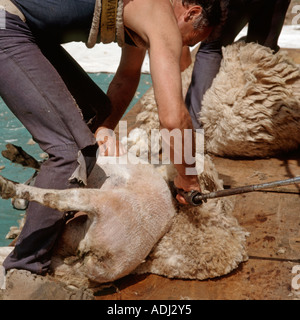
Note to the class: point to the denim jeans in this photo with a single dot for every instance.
(265, 18)
(54, 99)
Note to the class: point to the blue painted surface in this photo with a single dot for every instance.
(12, 131)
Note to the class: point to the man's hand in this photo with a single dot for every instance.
(186, 183)
(108, 144)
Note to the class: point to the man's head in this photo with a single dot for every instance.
(196, 18)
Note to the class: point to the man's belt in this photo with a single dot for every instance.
(108, 20)
(107, 23)
(8, 6)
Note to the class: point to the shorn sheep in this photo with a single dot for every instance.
(130, 223)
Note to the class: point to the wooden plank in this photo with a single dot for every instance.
(273, 222)
(236, 173)
(255, 280)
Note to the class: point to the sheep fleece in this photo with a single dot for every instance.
(253, 106)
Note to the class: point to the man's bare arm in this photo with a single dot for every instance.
(120, 93)
(157, 25)
(173, 113)
(124, 84)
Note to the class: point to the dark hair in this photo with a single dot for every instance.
(211, 14)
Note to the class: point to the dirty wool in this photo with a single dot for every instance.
(253, 106)
(203, 242)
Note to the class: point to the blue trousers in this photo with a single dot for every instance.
(265, 19)
(55, 100)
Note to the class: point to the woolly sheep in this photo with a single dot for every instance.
(253, 106)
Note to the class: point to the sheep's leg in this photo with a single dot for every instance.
(63, 200)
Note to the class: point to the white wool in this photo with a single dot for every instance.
(203, 242)
(253, 106)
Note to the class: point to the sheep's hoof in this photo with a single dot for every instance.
(7, 188)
